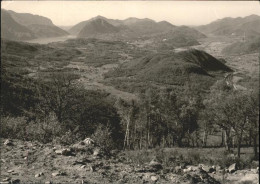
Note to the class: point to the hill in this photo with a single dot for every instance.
(170, 68)
(25, 26)
(243, 47)
(248, 26)
(97, 26)
(12, 30)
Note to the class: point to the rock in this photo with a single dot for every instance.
(178, 169)
(48, 182)
(155, 165)
(154, 178)
(59, 174)
(8, 143)
(255, 171)
(65, 152)
(88, 141)
(16, 181)
(10, 171)
(39, 175)
(83, 166)
(232, 168)
(6, 179)
(4, 182)
(209, 169)
(96, 152)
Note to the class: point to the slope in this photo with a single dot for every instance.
(12, 30)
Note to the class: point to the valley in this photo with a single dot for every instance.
(129, 101)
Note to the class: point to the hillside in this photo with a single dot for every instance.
(170, 68)
(46, 31)
(248, 26)
(10, 29)
(25, 26)
(28, 19)
(243, 47)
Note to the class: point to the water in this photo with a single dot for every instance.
(50, 40)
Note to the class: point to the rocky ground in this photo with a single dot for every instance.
(85, 162)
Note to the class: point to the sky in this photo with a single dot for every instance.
(68, 13)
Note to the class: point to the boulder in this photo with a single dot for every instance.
(232, 168)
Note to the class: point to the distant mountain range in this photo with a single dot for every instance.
(25, 26)
(133, 28)
(247, 26)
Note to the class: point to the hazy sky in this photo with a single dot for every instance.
(68, 13)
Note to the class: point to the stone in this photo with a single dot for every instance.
(7, 179)
(178, 169)
(154, 178)
(65, 152)
(155, 165)
(55, 174)
(232, 168)
(96, 152)
(48, 182)
(83, 166)
(88, 141)
(39, 175)
(8, 143)
(10, 171)
(16, 181)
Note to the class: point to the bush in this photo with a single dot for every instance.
(13, 127)
(42, 131)
(102, 137)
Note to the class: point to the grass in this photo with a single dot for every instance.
(172, 157)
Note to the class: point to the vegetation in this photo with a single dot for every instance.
(182, 99)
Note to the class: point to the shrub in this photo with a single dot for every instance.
(102, 136)
(13, 127)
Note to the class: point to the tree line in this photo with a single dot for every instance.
(160, 118)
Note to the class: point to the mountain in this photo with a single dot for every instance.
(134, 26)
(25, 26)
(147, 26)
(28, 19)
(97, 26)
(233, 26)
(243, 47)
(12, 30)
